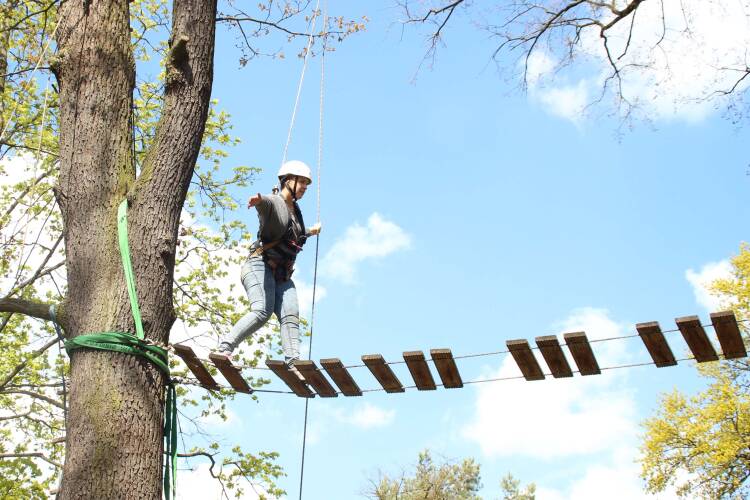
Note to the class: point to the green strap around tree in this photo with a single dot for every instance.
(127, 265)
(136, 345)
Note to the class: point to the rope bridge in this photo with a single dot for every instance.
(578, 345)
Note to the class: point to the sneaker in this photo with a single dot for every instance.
(224, 352)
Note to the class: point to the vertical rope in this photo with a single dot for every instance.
(301, 80)
(317, 238)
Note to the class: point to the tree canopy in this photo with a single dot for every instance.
(701, 443)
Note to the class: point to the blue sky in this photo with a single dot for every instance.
(458, 212)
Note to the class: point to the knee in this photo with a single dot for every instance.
(263, 314)
(289, 319)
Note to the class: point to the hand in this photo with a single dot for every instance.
(254, 200)
(315, 230)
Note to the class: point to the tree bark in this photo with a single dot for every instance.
(114, 441)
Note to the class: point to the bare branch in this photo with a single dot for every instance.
(239, 19)
(29, 308)
(31, 455)
(202, 454)
(13, 417)
(39, 272)
(35, 395)
(8, 378)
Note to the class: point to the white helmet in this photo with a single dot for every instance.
(295, 167)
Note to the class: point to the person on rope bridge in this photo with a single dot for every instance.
(267, 272)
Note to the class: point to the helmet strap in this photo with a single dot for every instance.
(292, 189)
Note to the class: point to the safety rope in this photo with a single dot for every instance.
(136, 345)
(301, 80)
(317, 238)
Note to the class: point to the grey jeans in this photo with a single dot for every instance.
(266, 296)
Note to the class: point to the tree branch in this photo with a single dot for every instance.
(35, 395)
(31, 455)
(29, 308)
(30, 15)
(202, 454)
(13, 417)
(25, 362)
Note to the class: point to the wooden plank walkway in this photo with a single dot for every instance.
(290, 378)
(195, 366)
(525, 359)
(447, 369)
(340, 376)
(582, 354)
(383, 373)
(231, 373)
(314, 380)
(725, 325)
(696, 338)
(554, 356)
(419, 370)
(656, 344)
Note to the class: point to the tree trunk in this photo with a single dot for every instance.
(114, 447)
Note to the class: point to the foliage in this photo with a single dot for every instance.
(701, 444)
(512, 489)
(446, 481)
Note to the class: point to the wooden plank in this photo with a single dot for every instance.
(525, 359)
(232, 374)
(383, 373)
(725, 325)
(582, 354)
(419, 370)
(290, 378)
(195, 366)
(554, 356)
(315, 378)
(696, 338)
(340, 376)
(446, 367)
(656, 344)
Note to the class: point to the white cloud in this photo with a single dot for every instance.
(367, 416)
(378, 239)
(617, 479)
(591, 414)
(701, 282)
(566, 101)
(304, 295)
(197, 484)
(667, 72)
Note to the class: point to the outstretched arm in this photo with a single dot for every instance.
(254, 200)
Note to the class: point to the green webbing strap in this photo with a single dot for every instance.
(136, 345)
(127, 265)
(121, 342)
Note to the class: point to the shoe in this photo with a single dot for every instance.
(224, 352)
